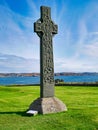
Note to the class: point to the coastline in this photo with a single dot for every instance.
(38, 74)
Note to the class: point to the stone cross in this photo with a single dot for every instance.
(45, 29)
(47, 103)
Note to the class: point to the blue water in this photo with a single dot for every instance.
(36, 80)
(19, 80)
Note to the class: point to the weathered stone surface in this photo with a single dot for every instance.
(45, 28)
(48, 105)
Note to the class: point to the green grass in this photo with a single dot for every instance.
(82, 104)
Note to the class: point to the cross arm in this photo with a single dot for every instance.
(54, 28)
(37, 26)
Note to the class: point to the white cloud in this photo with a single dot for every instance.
(91, 50)
(16, 34)
(34, 12)
(12, 63)
(74, 65)
(83, 48)
(76, 44)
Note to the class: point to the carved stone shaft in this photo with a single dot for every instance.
(47, 103)
(45, 28)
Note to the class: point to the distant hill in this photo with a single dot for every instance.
(18, 74)
(38, 74)
(75, 74)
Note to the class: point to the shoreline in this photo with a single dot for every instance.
(55, 74)
(92, 84)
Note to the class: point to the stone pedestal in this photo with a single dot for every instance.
(48, 105)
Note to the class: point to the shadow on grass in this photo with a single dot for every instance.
(17, 113)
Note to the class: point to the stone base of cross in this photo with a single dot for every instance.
(45, 29)
(48, 105)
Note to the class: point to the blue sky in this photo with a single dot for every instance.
(75, 46)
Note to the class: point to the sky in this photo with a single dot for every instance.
(75, 47)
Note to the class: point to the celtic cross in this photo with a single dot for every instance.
(45, 29)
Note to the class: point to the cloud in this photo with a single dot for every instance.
(74, 65)
(12, 63)
(75, 46)
(16, 34)
(85, 45)
(92, 50)
(33, 9)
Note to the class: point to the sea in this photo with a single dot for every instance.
(36, 80)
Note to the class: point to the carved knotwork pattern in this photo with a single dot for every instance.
(45, 28)
(48, 63)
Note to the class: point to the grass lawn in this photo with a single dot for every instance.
(82, 104)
